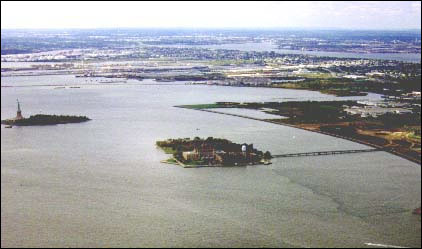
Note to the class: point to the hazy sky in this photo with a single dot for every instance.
(350, 15)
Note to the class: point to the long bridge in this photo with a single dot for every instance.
(322, 153)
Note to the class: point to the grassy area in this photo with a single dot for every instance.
(290, 86)
(415, 137)
(172, 160)
(315, 75)
(343, 92)
(334, 86)
(194, 163)
(168, 150)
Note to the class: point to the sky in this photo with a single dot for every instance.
(249, 14)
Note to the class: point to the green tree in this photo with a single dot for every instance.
(267, 155)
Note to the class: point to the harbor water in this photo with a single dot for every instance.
(101, 183)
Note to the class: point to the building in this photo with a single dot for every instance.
(205, 151)
(190, 156)
(373, 111)
(200, 152)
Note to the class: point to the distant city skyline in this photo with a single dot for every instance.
(396, 15)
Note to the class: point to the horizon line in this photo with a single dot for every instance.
(226, 28)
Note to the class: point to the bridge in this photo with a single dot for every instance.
(321, 153)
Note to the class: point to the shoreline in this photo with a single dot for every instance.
(383, 148)
(179, 163)
(44, 119)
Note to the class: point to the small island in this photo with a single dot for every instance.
(211, 152)
(42, 119)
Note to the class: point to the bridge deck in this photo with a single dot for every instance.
(319, 153)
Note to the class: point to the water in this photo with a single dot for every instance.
(101, 183)
(268, 46)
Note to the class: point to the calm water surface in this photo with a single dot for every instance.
(101, 183)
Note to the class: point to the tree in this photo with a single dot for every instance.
(267, 155)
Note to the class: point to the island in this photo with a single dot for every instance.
(211, 152)
(41, 119)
